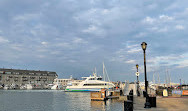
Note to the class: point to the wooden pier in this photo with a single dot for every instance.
(102, 95)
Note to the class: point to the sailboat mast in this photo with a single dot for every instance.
(104, 73)
(95, 71)
(107, 75)
(158, 79)
(153, 79)
(169, 78)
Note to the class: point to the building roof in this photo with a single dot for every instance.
(31, 72)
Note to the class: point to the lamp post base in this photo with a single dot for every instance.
(147, 104)
(138, 93)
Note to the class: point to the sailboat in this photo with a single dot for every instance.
(57, 86)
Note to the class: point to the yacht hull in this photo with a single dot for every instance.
(82, 89)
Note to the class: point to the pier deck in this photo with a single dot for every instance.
(163, 104)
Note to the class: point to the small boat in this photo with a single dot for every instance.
(22, 87)
(57, 86)
(29, 86)
(6, 87)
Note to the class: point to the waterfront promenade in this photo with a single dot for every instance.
(163, 104)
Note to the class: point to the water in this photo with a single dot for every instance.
(53, 100)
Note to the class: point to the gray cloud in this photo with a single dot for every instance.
(72, 37)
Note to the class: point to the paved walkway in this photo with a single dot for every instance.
(163, 104)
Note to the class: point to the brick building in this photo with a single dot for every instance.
(18, 78)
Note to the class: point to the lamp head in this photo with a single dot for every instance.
(144, 45)
(137, 66)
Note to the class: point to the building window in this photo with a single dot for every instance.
(7, 72)
(10, 76)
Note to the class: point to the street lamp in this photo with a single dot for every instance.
(137, 74)
(137, 71)
(147, 104)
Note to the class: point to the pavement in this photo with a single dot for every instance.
(163, 104)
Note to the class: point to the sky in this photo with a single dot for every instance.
(72, 37)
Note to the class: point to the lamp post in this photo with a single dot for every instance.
(137, 74)
(147, 104)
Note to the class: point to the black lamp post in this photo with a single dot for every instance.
(147, 104)
(137, 71)
(137, 74)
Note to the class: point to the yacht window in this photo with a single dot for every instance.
(93, 84)
(91, 79)
(76, 84)
(99, 78)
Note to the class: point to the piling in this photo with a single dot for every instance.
(128, 105)
(98, 96)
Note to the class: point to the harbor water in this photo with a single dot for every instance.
(53, 100)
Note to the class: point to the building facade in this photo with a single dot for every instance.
(10, 77)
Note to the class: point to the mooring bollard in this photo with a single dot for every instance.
(131, 92)
(121, 92)
(152, 101)
(128, 105)
(130, 97)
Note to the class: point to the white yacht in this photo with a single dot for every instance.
(91, 83)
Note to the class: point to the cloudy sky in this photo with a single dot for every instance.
(72, 37)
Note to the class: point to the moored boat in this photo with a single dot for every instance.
(91, 83)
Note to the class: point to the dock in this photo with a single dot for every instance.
(102, 96)
(163, 104)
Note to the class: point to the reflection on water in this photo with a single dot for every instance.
(98, 105)
(53, 100)
(109, 105)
